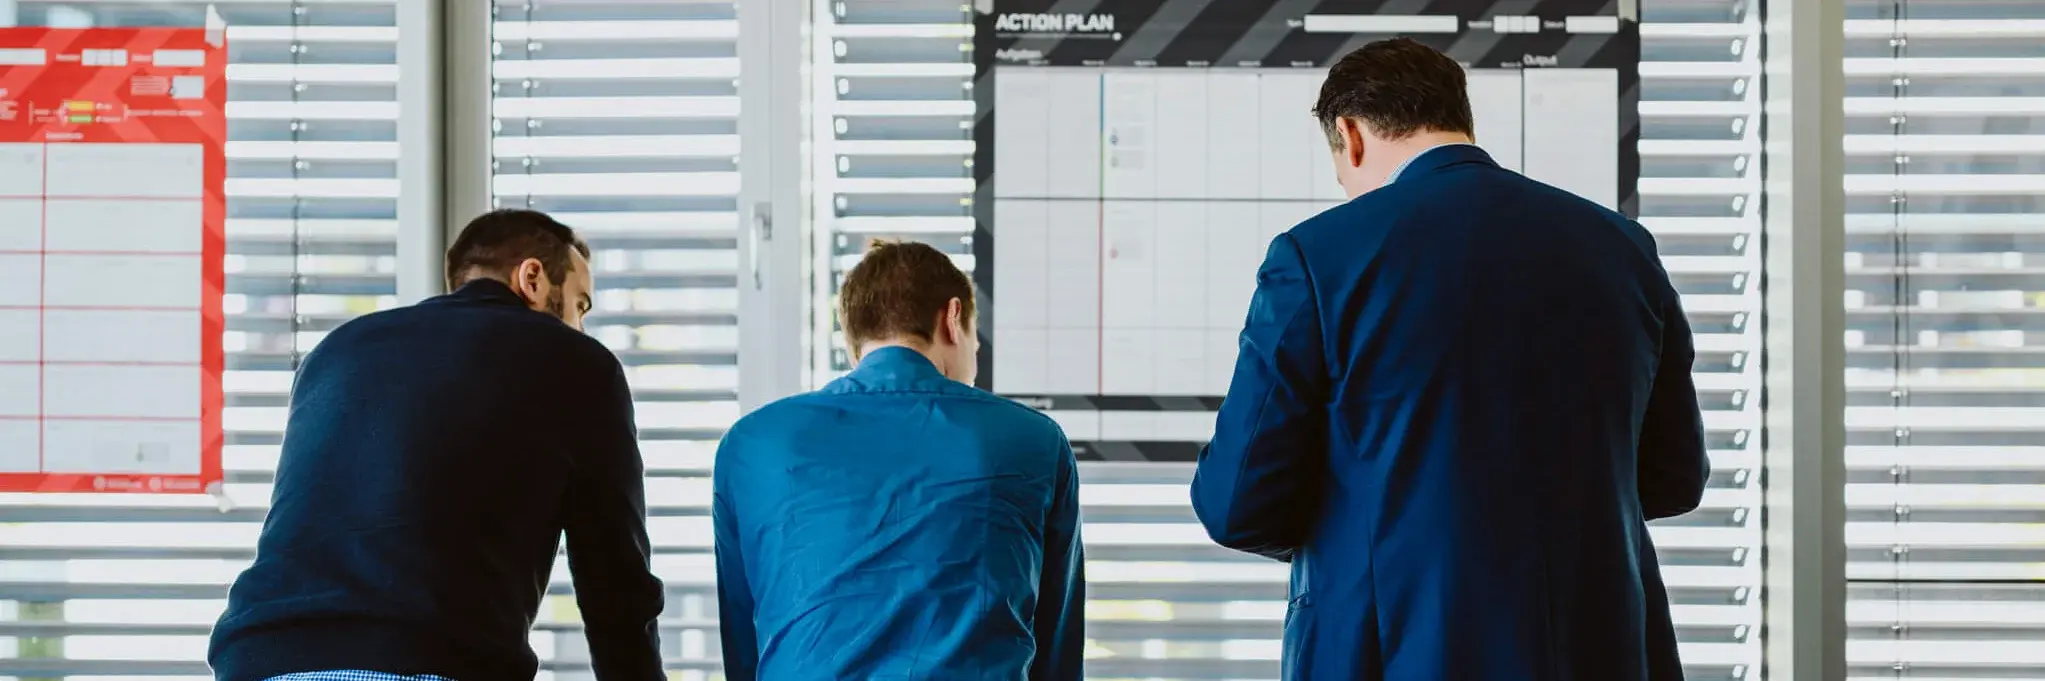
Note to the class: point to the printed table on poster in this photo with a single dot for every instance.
(112, 238)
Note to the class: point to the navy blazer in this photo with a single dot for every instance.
(1458, 401)
(433, 460)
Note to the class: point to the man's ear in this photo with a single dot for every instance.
(955, 321)
(529, 280)
(1352, 140)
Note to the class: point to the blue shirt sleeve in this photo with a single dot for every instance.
(1061, 595)
(741, 649)
(1258, 480)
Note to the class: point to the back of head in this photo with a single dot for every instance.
(1398, 87)
(540, 259)
(494, 243)
(1385, 103)
(910, 294)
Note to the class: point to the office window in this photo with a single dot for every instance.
(1700, 148)
(130, 585)
(620, 118)
(893, 139)
(1945, 341)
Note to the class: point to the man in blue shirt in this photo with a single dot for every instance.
(434, 458)
(899, 523)
(1459, 398)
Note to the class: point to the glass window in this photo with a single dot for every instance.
(1945, 340)
(893, 138)
(621, 119)
(130, 585)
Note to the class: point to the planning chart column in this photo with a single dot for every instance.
(1495, 103)
(1572, 138)
(1288, 153)
(1235, 247)
(121, 329)
(1022, 186)
(1131, 120)
(1023, 102)
(1183, 135)
(1234, 135)
(1073, 232)
(1129, 263)
(1179, 358)
(1234, 241)
(1022, 295)
(21, 292)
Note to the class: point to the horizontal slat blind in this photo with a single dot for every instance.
(1700, 152)
(620, 117)
(894, 108)
(130, 585)
(1945, 305)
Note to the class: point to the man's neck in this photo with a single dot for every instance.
(1406, 149)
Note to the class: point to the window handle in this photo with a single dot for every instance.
(759, 233)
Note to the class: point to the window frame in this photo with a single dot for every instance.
(451, 45)
(1803, 336)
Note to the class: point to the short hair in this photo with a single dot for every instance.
(897, 291)
(496, 242)
(1398, 87)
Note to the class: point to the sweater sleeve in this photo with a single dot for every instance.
(608, 551)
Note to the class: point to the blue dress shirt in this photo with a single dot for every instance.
(898, 525)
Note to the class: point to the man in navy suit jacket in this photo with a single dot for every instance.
(1460, 397)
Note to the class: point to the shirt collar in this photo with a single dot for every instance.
(893, 366)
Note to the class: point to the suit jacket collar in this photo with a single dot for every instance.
(1442, 158)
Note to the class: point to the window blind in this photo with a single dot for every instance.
(893, 141)
(621, 119)
(130, 585)
(1700, 149)
(1945, 310)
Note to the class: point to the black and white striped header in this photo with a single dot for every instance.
(1306, 33)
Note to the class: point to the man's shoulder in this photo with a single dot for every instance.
(794, 415)
(989, 409)
(456, 327)
(1446, 194)
(773, 415)
(434, 317)
(1007, 413)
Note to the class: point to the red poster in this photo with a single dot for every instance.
(112, 239)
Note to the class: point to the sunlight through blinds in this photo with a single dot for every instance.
(1945, 366)
(893, 138)
(130, 585)
(620, 118)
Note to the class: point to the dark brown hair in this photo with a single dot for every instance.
(897, 291)
(1398, 87)
(496, 242)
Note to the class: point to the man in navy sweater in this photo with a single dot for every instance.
(434, 458)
